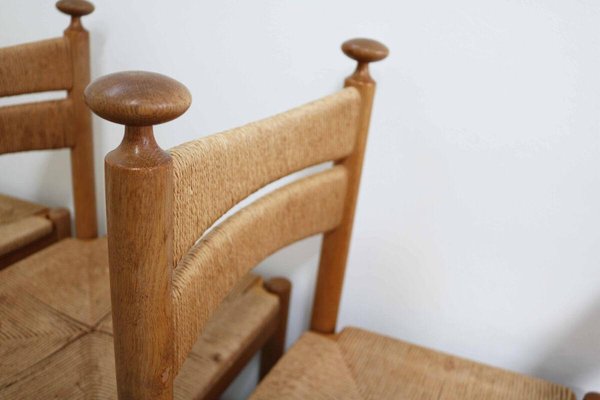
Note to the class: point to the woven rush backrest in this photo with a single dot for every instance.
(46, 65)
(36, 67)
(213, 174)
(30, 68)
(61, 63)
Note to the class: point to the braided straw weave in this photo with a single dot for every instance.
(56, 331)
(303, 208)
(13, 209)
(36, 126)
(359, 365)
(213, 174)
(36, 67)
(17, 234)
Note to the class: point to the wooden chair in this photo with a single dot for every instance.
(55, 324)
(165, 283)
(56, 64)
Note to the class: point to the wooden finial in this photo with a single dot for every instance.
(364, 51)
(76, 9)
(137, 98)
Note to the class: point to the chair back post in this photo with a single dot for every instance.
(336, 243)
(139, 197)
(82, 153)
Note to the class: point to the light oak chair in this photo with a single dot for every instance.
(56, 334)
(56, 64)
(166, 283)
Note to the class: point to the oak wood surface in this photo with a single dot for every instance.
(275, 346)
(138, 199)
(82, 152)
(336, 243)
(137, 98)
(75, 8)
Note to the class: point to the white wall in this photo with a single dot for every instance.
(477, 231)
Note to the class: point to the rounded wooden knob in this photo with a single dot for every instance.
(137, 98)
(75, 8)
(365, 50)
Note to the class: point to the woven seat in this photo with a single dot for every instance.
(356, 364)
(21, 223)
(56, 330)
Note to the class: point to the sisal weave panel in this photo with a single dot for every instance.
(208, 272)
(17, 234)
(357, 364)
(13, 209)
(35, 67)
(70, 277)
(45, 355)
(213, 174)
(36, 126)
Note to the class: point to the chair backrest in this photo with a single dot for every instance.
(168, 274)
(55, 64)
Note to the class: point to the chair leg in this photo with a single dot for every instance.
(275, 345)
(61, 219)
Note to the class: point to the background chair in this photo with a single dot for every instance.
(54, 64)
(56, 330)
(160, 204)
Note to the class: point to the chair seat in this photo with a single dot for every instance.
(21, 223)
(56, 330)
(357, 364)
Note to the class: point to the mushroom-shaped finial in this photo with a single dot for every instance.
(137, 98)
(364, 51)
(75, 8)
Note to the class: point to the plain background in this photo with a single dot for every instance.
(478, 226)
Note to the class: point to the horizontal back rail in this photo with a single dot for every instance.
(36, 67)
(213, 174)
(36, 126)
(210, 270)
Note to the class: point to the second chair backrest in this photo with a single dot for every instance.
(55, 64)
(168, 274)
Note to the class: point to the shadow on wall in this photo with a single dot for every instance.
(577, 351)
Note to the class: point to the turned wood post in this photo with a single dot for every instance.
(334, 250)
(275, 345)
(82, 152)
(139, 191)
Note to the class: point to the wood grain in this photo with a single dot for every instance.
(82, 149)
(139, 197)
(139, 200)
(138, 98)
(336, 243)
(275, 346)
